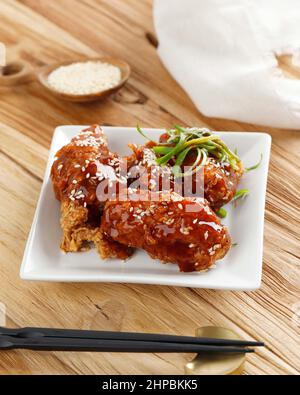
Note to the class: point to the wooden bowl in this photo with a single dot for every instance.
(16, 73)
(46, 70)
(19, 72)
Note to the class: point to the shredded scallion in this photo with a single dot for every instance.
(241, 194)
(255, 166)
(200, 141)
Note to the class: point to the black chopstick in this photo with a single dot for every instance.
(108, 335)
(96, 345)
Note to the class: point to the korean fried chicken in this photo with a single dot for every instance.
(220, 180)
(78, 170)
(169, 228)
(216, 180)
(172, 226)
(145, 173)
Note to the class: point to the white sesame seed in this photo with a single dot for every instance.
(216, 246)
(185, 231)
(84, 77)
(170, 221)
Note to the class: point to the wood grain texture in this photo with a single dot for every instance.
(42, 32)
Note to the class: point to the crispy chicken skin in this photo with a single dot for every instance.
(76, 173)
(145, 173)
(170, 228)
(218, 182)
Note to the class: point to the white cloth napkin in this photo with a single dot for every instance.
(222, 52)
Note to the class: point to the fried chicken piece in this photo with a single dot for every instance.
(145, 173)
(220, 181)
(169, 228)
(75, 173)
(217, 183)
(80, 167)
(109, 248)
(77, 232)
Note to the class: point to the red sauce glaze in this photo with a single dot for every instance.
(172, 229)
(82, 165)
(220, 180)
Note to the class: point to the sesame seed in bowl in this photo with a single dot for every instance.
(85, 80)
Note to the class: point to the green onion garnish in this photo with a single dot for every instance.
(183, 141)
(161, 150)
(142, 133)
(199, 162)
(255, 166)
(241, 194)
(179, 160)
(222, 213)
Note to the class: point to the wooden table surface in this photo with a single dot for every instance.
(42, 32)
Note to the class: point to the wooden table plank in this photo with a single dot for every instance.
(42, 32)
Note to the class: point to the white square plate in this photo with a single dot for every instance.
(239, 270)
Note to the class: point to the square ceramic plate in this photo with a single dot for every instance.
(239, 270)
